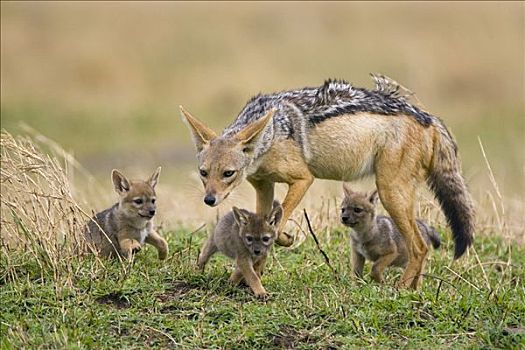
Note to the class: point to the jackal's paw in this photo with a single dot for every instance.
(377, 278)
(262, 295)
(135, 247)
(404, 283)
(163, 254)
(285, 239)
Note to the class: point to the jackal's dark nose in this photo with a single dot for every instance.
(345, 219)
(256, 251)
(209, 199)
(152, 212)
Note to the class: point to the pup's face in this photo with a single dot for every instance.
(258, 232)
(137, 199)
(358, 208)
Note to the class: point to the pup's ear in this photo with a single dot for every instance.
(120, 182)
(202, 135)
(346, 189)
(154, 179)
(240, 216)
(249, 136)
(373, 197)
(275, 216)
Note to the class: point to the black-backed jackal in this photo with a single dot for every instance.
(340, 132)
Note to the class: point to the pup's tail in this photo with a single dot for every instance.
(434, 238)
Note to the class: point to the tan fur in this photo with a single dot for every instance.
(247, 238)
(124, 228)
(398, 149)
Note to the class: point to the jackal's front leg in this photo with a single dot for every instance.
(264, 191)
(128, 247)
(158, 242)
(296, 192)
(245, 266)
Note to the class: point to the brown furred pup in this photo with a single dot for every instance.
(376, 238)
(128, 224)
(248, 238)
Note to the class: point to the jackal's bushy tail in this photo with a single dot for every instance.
(450, 190)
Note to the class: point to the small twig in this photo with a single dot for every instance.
(191, 237)
(326, 259)
(463, 279)
(482, 269)
(198, 229)
(163, 333)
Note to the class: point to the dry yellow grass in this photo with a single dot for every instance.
(42, 221)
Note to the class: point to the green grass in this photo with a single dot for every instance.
(168, 304)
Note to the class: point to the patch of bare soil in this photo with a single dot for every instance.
(114, 299)
(179, 289)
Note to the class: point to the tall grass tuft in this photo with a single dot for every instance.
(41, 222)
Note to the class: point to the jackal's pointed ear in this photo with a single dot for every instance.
(275, 216)
(154, 179)
(249, 136)
(240, 216)
(373, 197)
(346, 189)
(120, 182)
(202, 135)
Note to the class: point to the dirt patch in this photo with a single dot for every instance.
(176, 291)
(289, 338)
(514, 330)
(114, 299)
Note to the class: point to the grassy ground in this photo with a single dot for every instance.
(152, 304)
(104, 80)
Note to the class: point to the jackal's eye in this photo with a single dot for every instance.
(203, 172)
(153, 200)
(358, 210)
(249, 239)
(228, 173)
(266, 239)
(138, 201)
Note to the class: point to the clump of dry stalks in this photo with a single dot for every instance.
(41, 222)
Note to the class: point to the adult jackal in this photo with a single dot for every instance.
(340, 132)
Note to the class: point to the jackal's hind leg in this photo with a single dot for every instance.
(398, 200)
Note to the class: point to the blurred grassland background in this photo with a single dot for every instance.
(105, 80)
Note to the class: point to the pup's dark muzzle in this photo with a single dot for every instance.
(347, 222)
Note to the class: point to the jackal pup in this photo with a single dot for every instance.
(248, 238)
(376, 238)
(128, 224)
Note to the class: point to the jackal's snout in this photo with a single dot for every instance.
(210, 200)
